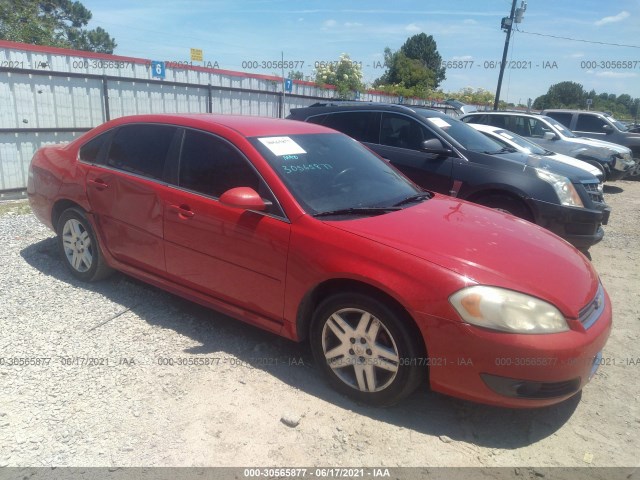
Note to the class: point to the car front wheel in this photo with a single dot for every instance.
(506, 204)
(79, 246)
(366, 349)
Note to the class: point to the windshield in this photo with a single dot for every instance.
(619, 125)
(558, 126)
(467, 137)
(522, 143)
(330, 171)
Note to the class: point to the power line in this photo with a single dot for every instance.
(580, 40)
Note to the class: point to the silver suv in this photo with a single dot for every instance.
(598, 125)
(615, 161)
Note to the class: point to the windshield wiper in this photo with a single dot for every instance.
(414, 198)
(502, 150)
(358, 211)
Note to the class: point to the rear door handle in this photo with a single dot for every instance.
(182, 210)
(99, 184)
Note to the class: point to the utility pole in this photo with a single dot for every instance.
(507, 25)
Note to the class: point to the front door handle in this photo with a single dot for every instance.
(182, 210)
(99, 184)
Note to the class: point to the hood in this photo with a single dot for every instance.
(572, 172)
(601, 144)
(558, 157)
(487, 247)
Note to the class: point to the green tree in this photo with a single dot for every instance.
(345, 75)
(423, 47)
(295, 75)
(469, 95)
(415, 70)
(572, 95)
(567, 94)
(56, 23)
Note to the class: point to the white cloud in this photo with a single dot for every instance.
(329, 23)
(464, 58)
(412, 27)
(470, 21)
(616, 74)
(576, 55)
(352, 24)
(613, 19)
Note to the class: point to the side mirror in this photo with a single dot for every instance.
(434, 145)
(243, 197)
(608, 129)
(549, 136)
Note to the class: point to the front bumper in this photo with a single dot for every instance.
(582, 227)
(622, 167)
(514, 370)
(635, 170)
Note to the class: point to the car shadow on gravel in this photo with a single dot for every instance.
(612, 189)
(426, 412)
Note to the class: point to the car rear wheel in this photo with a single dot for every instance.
(507, 204)
(365, 349)
(79, 246)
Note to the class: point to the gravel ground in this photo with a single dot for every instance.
(105, 398)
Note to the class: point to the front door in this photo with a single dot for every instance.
(400, 140)
(237, 256)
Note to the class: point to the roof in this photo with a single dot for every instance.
(486, 128)
(491, 112)
(573, 110)
(247, 126)
(339, 106)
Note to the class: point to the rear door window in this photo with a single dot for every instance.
(141, 149)
(363, 126)
(563, 117)
(93, 150)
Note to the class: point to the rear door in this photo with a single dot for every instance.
(125, 194)
(236, 256)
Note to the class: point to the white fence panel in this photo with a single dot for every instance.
(55, 92)
(16, 151)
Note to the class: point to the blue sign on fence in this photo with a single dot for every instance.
(157, 69)
(288, 85)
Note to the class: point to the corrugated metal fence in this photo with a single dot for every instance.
(52, 95)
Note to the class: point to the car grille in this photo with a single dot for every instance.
(595, 192)
(592, 311)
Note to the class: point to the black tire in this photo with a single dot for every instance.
(391, 337)
(505, 203)
(600, 167)
(79, 247)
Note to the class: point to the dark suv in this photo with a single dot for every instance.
(445, 155)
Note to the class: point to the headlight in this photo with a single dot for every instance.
(506, 310)
(565, 190)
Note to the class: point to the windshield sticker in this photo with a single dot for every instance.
(505, 135)
(305, 167)
(281, 146)
(439, 122)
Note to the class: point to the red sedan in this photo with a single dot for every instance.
(302, 231)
